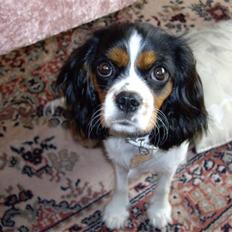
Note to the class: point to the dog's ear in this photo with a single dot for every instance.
(184, 108)
(76, 84)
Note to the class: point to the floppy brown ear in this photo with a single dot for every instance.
(75, 83)
(184, 108)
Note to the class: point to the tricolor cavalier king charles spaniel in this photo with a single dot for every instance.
(136, 88)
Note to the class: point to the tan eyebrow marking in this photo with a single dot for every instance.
(146, 59)
(118, 56)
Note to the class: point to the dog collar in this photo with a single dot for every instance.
(143, 145)
(145, 150)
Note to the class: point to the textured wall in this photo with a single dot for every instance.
(23, 22)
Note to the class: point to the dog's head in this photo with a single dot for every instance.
(133, 80)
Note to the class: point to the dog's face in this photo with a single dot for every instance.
(132, 77)
(132, 80)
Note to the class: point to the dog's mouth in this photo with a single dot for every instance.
(124, 122)
(125, 127)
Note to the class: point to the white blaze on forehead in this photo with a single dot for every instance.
(130, 81)
(134, 47)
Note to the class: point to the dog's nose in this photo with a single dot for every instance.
(128, 102)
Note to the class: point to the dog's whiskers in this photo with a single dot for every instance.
(161, 117)
(95, 119)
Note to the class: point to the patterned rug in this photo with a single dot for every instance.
(50, 183)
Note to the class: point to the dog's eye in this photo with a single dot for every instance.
(159, 74)
(104, 69)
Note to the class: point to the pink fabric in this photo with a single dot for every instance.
(24, 22)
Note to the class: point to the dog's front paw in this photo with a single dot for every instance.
(115, 215)
(160, 216)
(50, 107)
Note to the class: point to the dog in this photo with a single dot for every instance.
(136, 88)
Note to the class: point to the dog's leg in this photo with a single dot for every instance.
(159, 211)
(165, 165)
(116, 213)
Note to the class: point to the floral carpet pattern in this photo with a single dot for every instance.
(48, 182)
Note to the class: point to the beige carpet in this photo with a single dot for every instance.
(50, 183)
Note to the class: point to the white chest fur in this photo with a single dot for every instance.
(121, 152)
